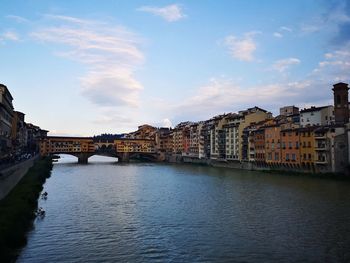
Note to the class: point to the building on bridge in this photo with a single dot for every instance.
(68, 145)
(135, 146)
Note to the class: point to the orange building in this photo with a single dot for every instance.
(307, 147)
(273, 144)
(165, 140)
(290, 152)
(259, 145)
(53, 144)
(145, 131)
(134, 145)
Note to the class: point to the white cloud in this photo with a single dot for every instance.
(10, 36)
(277, 34)
(330, 21)
(170, 13)
(335, 66)
(166, 123)
(242, 48)
(110, 53)
(284, 28)
(310, 28)
(281, 31)
(18, 19)
(283, 64)
(224, 95)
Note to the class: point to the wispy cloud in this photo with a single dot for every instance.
(285, 28)
(281, 31)
(335, 20)
(277, 34)
(283, 64)
(335, 66)
(170, 13)
(9, 36)
(110, 52)
(242, 48)
(224, 95)
(18, 19)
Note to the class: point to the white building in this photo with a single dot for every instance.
(232, 137)
(317, 116)
(196, 143)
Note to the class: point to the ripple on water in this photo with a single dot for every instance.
(159, 213)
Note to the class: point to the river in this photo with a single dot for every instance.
(143, 212)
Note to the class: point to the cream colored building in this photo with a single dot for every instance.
(196, 147)
(234, 127)
(218, 137)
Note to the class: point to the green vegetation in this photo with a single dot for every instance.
(17, 210)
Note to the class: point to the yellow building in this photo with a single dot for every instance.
(52, 145)
(307, 147)
(146, 132)
(134, 146)
(251, 115)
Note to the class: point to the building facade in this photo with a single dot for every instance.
(317, 116)
(6, 115)
(341, 103)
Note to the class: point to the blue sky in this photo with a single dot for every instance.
(87, 67)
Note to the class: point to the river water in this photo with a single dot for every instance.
(141, 212)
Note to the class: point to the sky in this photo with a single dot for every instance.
(82, 68)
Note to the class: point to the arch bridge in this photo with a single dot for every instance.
(85, 147)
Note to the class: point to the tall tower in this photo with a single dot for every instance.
(341, 103)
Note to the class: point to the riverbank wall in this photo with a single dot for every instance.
(245, 165)
(10, 176)
(17, 209)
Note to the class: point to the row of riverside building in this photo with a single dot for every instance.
(314, 139)
(16, 136)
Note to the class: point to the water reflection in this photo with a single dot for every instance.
(158, 213)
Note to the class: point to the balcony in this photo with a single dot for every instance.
(321, 161)
(321, 147)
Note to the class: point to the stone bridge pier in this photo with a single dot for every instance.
(83, 157)
(124, 157)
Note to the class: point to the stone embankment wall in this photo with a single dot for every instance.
(246, 165)
(9, 177)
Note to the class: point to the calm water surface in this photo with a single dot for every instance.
(108, 212)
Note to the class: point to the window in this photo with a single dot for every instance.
(276, 157)
(287, 157)
(293, 157)
(290, 145)
(270, 156)
(297, 145)
(309, 156)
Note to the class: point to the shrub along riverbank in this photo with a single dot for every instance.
(17, 209)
